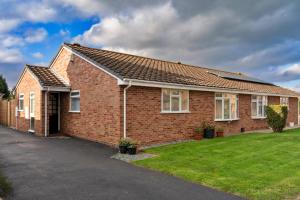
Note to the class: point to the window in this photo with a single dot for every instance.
(175, 100)
(32, 104)
(284, 101)
(226, 106)
(21, 102)
(75, 101)
(32, 110)
(258, 104)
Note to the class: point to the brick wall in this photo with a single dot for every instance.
(29, 84)
(99, 118)
(146, 124)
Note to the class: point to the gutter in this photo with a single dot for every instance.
(136, 82)
(124, 109)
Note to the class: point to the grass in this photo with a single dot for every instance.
(5, 186)
(254, 166)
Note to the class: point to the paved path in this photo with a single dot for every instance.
(73, 169)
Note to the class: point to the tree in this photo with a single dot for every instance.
(4, 88)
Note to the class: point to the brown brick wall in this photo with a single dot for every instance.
(29, 84)
(293, 111)
(99, 119)
(146, 124)
(60, 65)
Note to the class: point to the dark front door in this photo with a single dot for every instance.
(53, 113)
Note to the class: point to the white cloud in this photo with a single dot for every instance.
(10, 56)
(36, 11)
(38, 35)
(8, 24)
(64, 33)
(10, 41)
(38, 55)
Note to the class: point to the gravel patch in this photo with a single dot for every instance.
(130, 158)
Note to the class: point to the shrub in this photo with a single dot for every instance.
(125, 141)
(276, 117)
(199, 130)
(220, 129)
(208, 126)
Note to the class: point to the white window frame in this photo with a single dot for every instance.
(222, 98)
(70, 103)
(264, 104)
(284, 103)
(23, 97)
(180, 101)
(30, 105)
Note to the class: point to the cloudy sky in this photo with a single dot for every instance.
(260, 38)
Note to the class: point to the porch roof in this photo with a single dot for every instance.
(46, 77)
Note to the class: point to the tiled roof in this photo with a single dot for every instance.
(45, 76)
(148, 69)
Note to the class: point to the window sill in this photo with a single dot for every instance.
(258, 117)
(74, 111)
(175, 112)
(20, 110)
(226, 120)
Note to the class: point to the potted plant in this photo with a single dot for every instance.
(220, 132)
(208, 129)
(198, 133)
(132, 147)
(123, 145)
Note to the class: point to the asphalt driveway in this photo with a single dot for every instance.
(69, 168)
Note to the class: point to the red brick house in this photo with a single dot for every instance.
(102, 96)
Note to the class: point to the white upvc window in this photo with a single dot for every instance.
(75, 101)
(21, 102)
(284, 101)
(226, 107)
(258, 105)
(32, 103)
(174, 101)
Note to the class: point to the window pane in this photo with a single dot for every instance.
(75, 94)
(233, 107)
(260, 109)
(184, 100)
(166, 100)
(254, 109)
(175, 92)
(254, 97)
(226, 109)
(32, 102)
(218, 109)
(75, 104)
(175, 103)
(218, 94)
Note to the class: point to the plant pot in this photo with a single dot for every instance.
(220, 134)
(198, 137)
(131, 150)
(209, 133)
(123, 149)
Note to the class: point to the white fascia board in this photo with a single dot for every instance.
(101, 67)
(136, 82)
(56, 89)
(33, 76)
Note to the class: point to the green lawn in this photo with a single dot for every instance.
(5, 186)
(255, 166)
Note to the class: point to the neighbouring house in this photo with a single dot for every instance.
(103, 95)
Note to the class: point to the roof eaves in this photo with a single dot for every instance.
(138, 82)
(96, 64)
